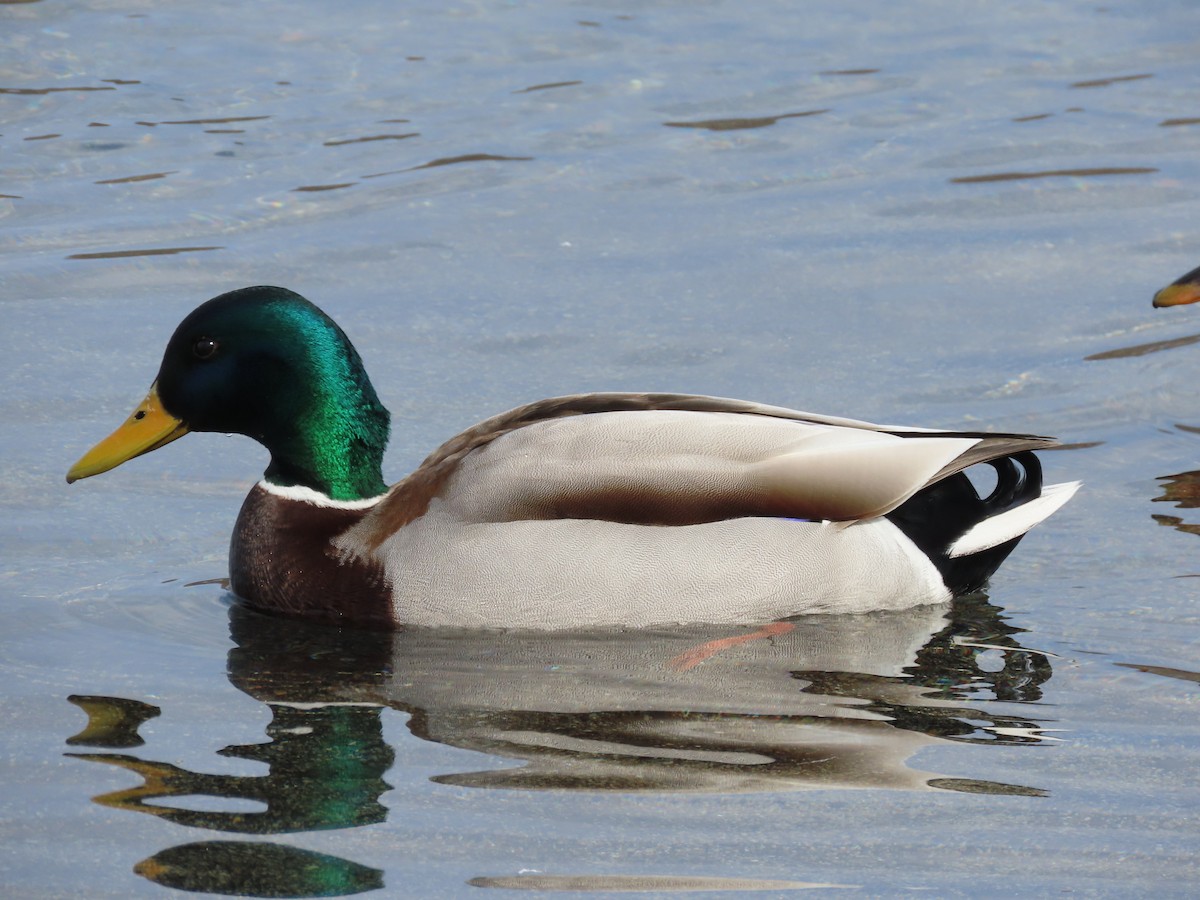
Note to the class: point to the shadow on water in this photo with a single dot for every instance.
(821, 702)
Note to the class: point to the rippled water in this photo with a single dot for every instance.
(942, 214)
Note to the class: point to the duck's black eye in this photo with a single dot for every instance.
(204, 348)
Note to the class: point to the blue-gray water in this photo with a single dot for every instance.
(925, 213)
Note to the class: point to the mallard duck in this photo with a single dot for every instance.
(586, 510)
(1184, 289)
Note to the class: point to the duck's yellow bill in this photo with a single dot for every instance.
(149, 428)
(1177, 295)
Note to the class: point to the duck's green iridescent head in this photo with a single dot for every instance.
(266, 363)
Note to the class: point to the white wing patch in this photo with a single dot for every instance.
(1013, 523)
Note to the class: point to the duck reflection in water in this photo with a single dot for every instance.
(1183, 491)
(823, 701)
(818, 702)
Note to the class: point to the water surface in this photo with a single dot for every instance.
(954, 216)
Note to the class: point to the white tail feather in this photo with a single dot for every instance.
(996, 530)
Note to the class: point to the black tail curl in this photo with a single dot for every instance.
(938, 515)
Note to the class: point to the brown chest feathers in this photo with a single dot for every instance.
(281, 559)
